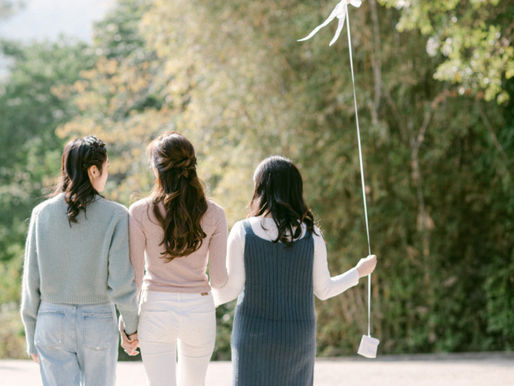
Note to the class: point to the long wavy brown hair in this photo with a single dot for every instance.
(179, 189)
(77, 157)
(278, 192)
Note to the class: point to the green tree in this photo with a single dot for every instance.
(437, 147)
(9, 7)
(30, 156)
(473, 37)
(232, 77)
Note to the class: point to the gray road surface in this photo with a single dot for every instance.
(491, 369)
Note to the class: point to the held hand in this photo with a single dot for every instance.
(130, 343)
(35, 357)
(367, 265)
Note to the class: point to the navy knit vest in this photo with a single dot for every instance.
(273, 338)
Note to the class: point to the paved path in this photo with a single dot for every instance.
(491, 369)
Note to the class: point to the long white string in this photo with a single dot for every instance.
(360, 161)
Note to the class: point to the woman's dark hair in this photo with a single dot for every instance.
(278, 192)
(177, 187)
(77, 157)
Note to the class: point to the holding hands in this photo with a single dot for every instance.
(130, 343)
(366, 265)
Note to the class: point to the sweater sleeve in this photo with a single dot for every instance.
(137, 248)
(235, 267)
(122, 287)
(325, 286)
(218, 252)
(31, 296)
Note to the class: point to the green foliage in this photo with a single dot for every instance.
(474, 37)
(499, 285)
(30, 156)
(11, 335)
(224, 320)
(30, 113)
(9, 7)
(231, 76)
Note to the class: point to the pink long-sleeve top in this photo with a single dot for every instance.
(182, 274)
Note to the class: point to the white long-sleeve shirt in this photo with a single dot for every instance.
(324, 285)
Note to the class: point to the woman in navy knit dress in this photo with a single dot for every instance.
(277, 261)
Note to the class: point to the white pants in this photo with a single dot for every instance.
(168, 318)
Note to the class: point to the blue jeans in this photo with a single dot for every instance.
(77, 344)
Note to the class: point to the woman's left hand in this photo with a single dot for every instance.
(35, 357)
(367, 265)
(129, 343)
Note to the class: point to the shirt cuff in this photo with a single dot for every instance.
(353, 277)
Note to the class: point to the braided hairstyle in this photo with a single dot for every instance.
(77, 157)
(179, 189)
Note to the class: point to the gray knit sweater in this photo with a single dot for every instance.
(87, 263)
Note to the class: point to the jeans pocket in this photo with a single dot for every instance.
(99, 330)
(49, 328)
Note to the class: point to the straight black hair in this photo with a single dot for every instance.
(278, 192)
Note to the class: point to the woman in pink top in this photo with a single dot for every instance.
(174, 234)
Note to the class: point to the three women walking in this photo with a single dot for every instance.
(78, 263)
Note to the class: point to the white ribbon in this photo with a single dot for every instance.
(340, 12)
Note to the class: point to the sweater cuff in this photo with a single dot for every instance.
(29, 336)
(129, 321)
(31, 349)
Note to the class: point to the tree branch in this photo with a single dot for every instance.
(376, 61)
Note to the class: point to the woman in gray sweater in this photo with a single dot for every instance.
(76, 268)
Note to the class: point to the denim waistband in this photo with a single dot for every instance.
(104, 307)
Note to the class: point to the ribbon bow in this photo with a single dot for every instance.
(340, 12)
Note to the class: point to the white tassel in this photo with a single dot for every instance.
(338, 12)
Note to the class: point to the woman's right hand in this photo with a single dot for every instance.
(366, 265)
(130, 343)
